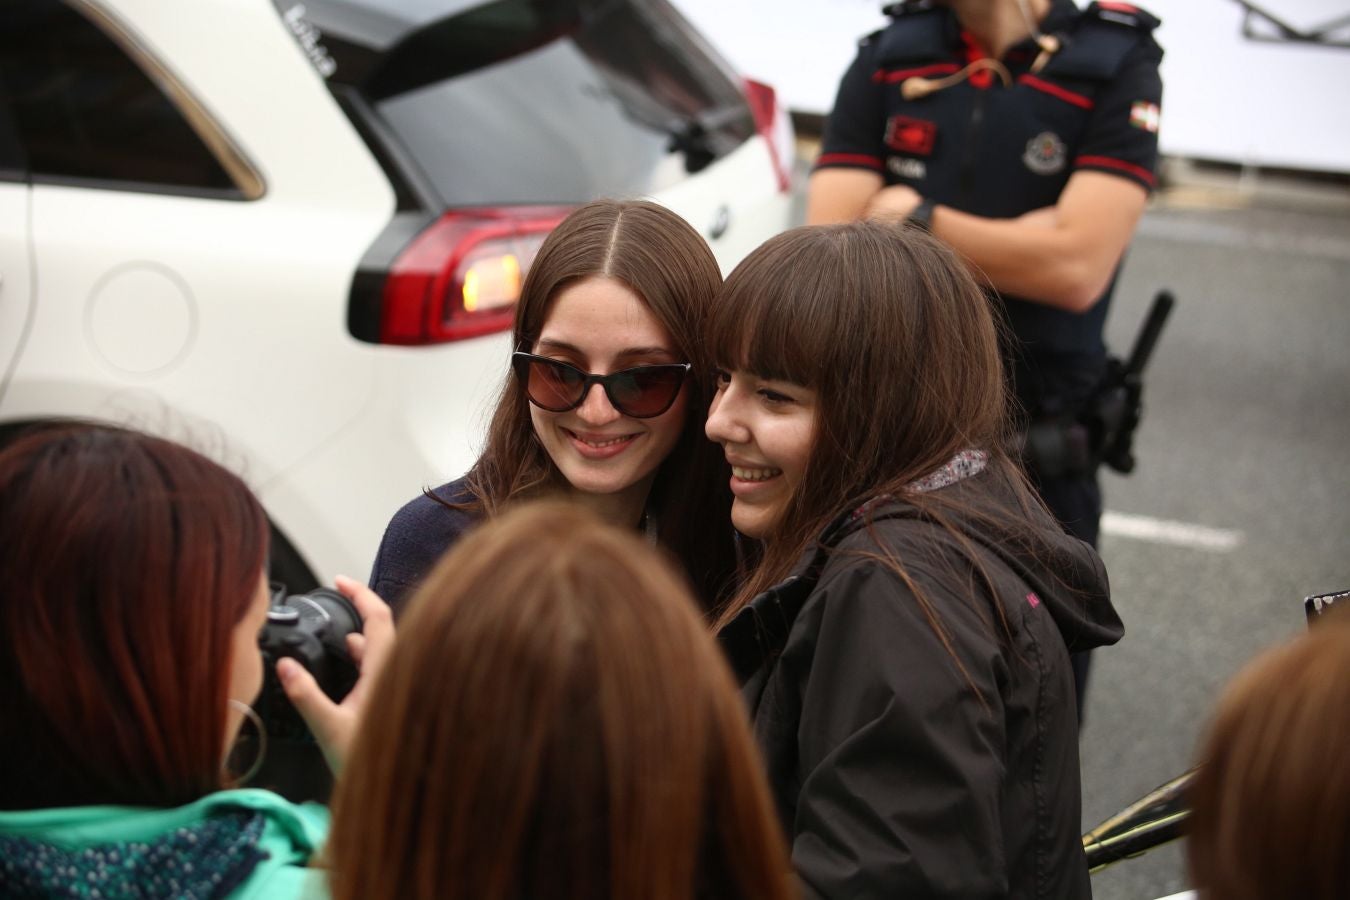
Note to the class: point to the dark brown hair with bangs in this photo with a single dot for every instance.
(557, 724)
(127, 561)
(903, 351)
(663, 260)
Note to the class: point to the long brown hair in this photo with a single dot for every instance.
(899, 343)
(556, 723)
(1271, 799)
(127, 561)
(656, 254)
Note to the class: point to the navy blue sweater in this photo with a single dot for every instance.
(416, 538)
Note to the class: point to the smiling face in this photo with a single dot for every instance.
(600, 326)
(767, 429)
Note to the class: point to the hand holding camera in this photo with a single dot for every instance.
(325, 649)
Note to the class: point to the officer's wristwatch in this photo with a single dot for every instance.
(923, 214)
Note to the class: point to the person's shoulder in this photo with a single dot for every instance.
(303, 825)
(918, 31)
(424, 528)
(866, 546)
(1125, 15)
(431, 512)
(291, 835)
(882, 526)
(1104, 35)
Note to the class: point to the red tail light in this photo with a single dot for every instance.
(774, 127)
(461, 277)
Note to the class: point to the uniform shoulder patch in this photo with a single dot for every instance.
(1145, 115)
(1126, 14)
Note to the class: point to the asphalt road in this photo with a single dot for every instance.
(1246, 432)
(1240, 505)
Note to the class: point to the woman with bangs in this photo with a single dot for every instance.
(904, 643)
(605, 406)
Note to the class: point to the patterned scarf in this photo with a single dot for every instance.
(203, 861)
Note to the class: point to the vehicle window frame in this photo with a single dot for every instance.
(720, 124)
(13, 157)
(246, 178)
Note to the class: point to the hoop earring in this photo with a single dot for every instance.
(249, 713)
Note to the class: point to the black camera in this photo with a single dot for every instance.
(311, 628)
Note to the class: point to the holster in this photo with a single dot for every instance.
(1056, 448)
(1102, 431)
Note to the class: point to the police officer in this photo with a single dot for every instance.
(1024, 133)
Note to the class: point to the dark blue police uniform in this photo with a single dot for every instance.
(1001, 139)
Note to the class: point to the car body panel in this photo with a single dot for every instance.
(223, 322)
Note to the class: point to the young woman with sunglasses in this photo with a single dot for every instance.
(605, 401)
(904, 643)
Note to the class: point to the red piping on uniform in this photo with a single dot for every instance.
(1055, 90)
(891, 77)
(1106, 162)
(848, 159)
(1118, 7)
(980, 78)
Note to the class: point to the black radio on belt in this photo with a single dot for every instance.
(1104, 431)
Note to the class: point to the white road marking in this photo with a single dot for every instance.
(1164, 531)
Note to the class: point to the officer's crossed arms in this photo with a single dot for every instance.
(1061, 255)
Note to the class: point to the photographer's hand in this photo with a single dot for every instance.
(335, 724)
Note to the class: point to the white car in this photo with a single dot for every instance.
(291, 232)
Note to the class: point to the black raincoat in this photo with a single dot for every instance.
(898, 772)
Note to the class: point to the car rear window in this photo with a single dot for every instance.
(522, 101)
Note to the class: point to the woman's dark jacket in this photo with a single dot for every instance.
(893, 778)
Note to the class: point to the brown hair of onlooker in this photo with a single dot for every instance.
(1271, 799)
(127, 561)
(555, 722)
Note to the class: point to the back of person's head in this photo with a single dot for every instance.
(127, 561)
(555, 722)
(1271, 798)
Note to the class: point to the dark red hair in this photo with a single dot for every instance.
(127, 560)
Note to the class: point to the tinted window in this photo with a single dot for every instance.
(520, 101)
(12, 166)
(84, 110)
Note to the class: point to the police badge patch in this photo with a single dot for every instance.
(1045, 154)
(910, 135)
